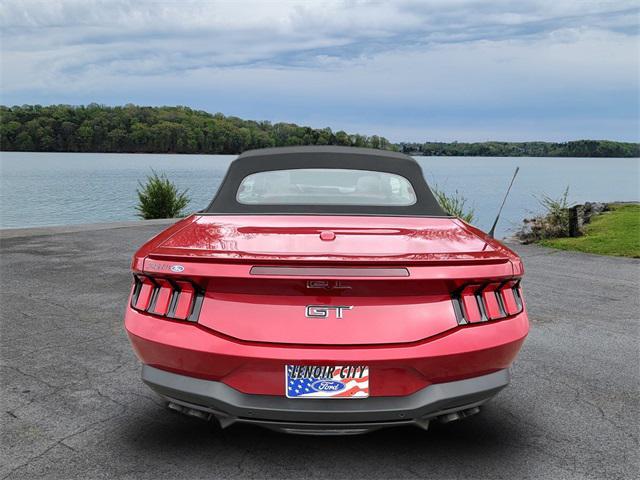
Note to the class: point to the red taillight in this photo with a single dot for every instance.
(177, 299)
(142, 293)
(162, 298)
(512, 297)
(493, 302)
(471, 308)
(184, 301)
(476, 303)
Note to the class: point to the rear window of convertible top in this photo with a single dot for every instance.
(325, 186)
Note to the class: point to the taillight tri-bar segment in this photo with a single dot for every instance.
(167, 297)
(475, 303)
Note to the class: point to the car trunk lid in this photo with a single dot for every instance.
(275, 279)
(326, 239)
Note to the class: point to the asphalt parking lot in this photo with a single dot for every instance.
(73, 406)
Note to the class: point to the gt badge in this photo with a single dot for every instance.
(322, 311)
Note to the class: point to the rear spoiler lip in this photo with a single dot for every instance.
(402, 260)
(504, 268)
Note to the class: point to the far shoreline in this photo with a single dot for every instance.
(189, 154)
(96, 128)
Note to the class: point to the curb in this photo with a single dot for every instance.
(7, 233)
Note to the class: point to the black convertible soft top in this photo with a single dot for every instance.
(287, 158)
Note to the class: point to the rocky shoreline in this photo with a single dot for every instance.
(561, 222)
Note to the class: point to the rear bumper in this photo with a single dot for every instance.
(401, 370)
(320, 415)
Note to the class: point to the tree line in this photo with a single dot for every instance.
(137, 129)
(577, 148)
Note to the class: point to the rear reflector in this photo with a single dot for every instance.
(177, 299)
(476, 303)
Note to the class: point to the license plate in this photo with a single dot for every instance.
(326, 381)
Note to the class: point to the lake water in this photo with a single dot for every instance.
(38, 189)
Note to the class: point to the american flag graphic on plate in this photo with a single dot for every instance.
(327, 381)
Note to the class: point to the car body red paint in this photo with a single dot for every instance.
(400, 275)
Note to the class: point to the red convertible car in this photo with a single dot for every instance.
(325, 291)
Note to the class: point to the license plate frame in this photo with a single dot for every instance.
(331, 382)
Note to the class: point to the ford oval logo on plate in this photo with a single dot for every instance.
(177, 268)
(327, 386)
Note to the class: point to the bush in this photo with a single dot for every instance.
(454, 204)
(553, 223)
(557, 214)
(160, 198)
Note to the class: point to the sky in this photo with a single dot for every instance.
(431, 70)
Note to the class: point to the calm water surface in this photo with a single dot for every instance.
(38, 189)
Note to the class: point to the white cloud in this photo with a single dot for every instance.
(327, 61)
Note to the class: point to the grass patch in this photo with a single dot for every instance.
(616, 232)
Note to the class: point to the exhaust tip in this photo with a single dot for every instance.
(192, 412)
(459, 415)
(423, 423)
(174, 407)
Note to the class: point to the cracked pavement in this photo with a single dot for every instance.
(72, 404)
